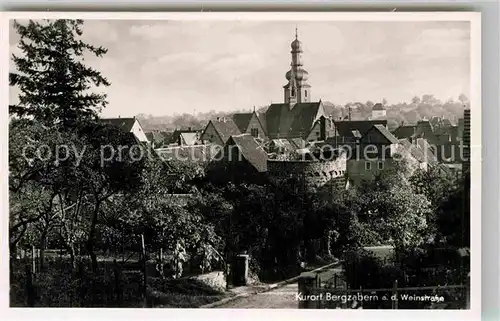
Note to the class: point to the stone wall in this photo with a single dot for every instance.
(315, 173)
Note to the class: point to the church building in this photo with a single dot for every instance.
(296, 116)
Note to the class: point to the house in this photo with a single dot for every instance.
(159, 138)
(422, 155)
(350, 131)
(219, 130)
(129, 125)
(322, 129)
(242, 159)
(372, 154)
(185, 137)
(379, 111)
(249, 123)
(405, 132)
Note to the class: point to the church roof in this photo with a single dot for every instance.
(242, 120)
(285, 121)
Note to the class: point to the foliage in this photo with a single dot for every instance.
(453, 217)
(434, 183)
(55, 83)
(397, 215)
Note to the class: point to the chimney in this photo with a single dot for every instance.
(322, 128)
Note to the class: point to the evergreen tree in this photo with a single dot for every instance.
(56, 86)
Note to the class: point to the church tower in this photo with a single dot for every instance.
(297, 90)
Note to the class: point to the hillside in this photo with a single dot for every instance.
(424, 107)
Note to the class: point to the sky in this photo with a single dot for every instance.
(171, 67)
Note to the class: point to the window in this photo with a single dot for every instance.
(317, 134)
(368, 166)
(305, 93)
(254, 132)
(293, 92)
(380, 165)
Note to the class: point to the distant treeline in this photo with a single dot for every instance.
(410, 112)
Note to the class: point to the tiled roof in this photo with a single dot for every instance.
(387, 134)
(123, 123)
(285, 121)
(183, 135)
(425, 128)
(414, 150)
(356, 133)
(297, 142)
(189, 138)
(250, 150)
(226, 128)
(406, 131)
(262, 119)
(241, 120)
(345, 128)
(157, 136)
(284, 145)
(427, 149)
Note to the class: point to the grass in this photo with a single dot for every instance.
(59, 286)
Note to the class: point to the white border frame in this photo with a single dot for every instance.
(251, 314)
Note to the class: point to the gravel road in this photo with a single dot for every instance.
(280, 298)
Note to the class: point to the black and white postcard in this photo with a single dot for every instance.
(243, 161)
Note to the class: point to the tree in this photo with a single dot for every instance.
(415, 100)
(463, 99)
(54, 82)
(384, 101)
(32, 164)
(434, 183)
(393, 211)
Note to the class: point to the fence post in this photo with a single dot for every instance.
(362, 300)
(118, 290)
(33, 259)
(30, 290)
(80, 274)
(307, 285)
(395, 293)
(144, 272)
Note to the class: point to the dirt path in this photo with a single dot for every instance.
(280, 298)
